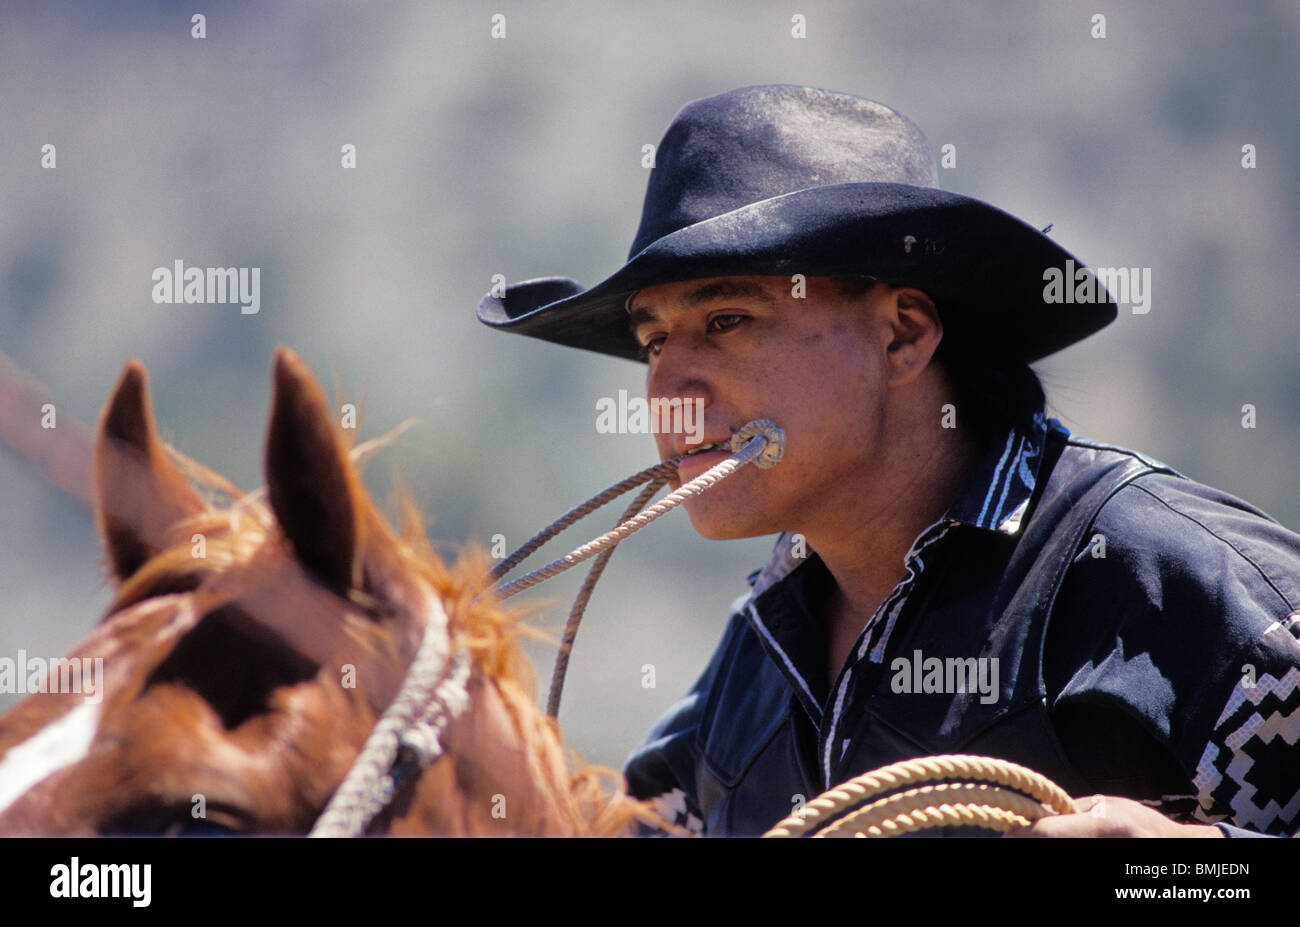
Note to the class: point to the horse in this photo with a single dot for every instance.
(249, 649)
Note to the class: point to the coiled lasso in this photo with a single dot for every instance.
(935, 791)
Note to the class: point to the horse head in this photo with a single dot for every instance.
(249, 650)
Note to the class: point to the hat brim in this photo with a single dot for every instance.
(984, 268)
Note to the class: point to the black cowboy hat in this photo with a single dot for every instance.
(784, 180)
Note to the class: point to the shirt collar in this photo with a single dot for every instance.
(995, 497)
(997, 493)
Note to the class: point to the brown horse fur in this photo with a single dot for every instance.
(249, 651)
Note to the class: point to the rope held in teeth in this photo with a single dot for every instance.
(660, 472)
(758, 436)
(759, 442)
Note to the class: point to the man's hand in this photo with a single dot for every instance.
(1109, 816)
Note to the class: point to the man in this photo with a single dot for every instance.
(955, 572)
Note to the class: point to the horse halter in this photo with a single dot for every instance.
(407, 737)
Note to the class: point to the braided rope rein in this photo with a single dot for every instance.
(990, 793)
(406, 739)
(660, 471)
(561, 667)
(759, 442)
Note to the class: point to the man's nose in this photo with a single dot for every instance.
(679, 372)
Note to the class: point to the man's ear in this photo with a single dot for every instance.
(917, 331)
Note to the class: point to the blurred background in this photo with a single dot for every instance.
(522, 156)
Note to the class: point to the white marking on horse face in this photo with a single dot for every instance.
(57, 745)
(67, 740)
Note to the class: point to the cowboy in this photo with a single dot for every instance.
(954, 572)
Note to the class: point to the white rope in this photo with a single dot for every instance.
(764, 445)
(561, 667)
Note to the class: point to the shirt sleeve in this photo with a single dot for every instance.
(663, 768)
(1178, 626)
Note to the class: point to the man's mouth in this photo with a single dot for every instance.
(724, 445)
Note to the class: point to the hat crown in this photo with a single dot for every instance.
(728, 151)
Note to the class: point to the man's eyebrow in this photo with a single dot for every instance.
(638, 317)
(704, 293)
(727, 289)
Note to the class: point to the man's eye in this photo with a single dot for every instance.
(650, 349)
(720, 323)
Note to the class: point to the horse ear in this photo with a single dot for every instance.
(313, 490)
(139, 493)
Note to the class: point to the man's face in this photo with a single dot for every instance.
(749, 349)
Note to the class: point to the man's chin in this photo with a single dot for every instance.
(726, 526)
